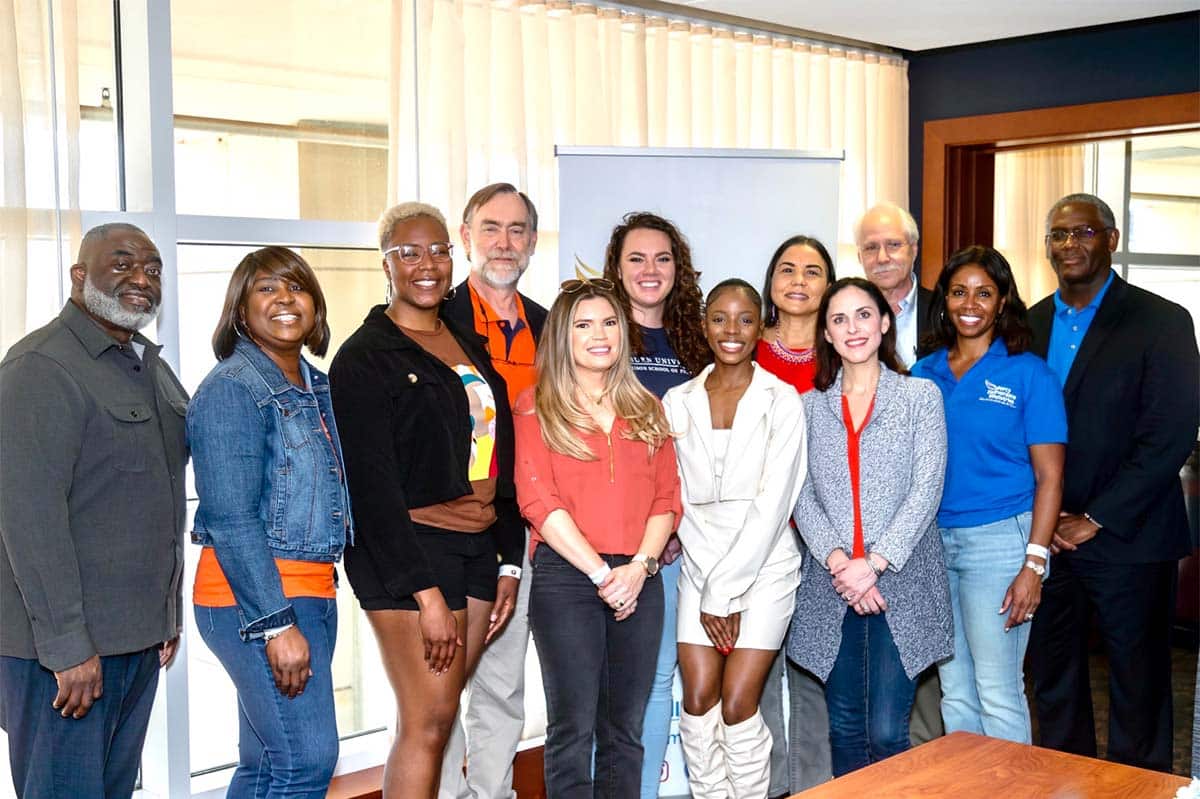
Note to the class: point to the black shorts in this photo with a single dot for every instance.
(464, 565)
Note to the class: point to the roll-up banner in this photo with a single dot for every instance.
(733, 206)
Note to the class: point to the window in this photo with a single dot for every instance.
(283, 114)
(1160, 244)
(1152, 184)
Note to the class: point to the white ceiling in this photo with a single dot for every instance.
(925, 24)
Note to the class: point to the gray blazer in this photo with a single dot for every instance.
(902, 456)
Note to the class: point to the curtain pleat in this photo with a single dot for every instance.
(1027, 183)
(502, 82)
(40, 141)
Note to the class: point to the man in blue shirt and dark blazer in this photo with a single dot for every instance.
(1128, 362)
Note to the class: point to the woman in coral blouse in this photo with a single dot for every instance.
(596, 480)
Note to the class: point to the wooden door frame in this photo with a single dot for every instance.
(958, 174)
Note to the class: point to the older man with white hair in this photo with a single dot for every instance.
(887, 240)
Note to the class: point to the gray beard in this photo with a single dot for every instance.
(109, 308)
(505, 280)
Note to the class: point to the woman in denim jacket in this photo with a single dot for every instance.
(273, 517)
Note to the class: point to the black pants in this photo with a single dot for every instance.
(597, 674)
(1134, 604)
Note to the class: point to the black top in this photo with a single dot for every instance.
(403, 418)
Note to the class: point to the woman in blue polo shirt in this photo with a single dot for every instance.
(1006, 430)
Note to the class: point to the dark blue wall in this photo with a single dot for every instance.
(1089, 65)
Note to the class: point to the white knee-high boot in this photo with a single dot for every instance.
(747, 746)
(700, 738)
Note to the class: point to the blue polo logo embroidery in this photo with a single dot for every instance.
(1001, 395)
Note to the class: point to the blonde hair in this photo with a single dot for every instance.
(399, 213)
(556, 398)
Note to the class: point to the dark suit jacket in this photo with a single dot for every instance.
(924, 300)
(458, 309)
(1133, 406)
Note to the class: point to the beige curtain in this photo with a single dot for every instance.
(39, 126)
(1028, 182)
(500, 83)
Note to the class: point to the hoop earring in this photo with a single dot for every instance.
(387, 294)
(451, 295)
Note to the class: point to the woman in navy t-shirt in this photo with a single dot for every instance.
(1006, 430)
(650, 263)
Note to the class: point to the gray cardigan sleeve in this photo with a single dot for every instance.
(928, 473)
(819, 532)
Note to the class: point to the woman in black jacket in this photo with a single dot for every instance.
(428, 442)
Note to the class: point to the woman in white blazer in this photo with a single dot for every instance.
(741, 452)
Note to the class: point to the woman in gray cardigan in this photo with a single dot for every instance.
(873, 607)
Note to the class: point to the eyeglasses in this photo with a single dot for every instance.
(892, 247)
(439, 251)
(1084, 234)
(576, 285)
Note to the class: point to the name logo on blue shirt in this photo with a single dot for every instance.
(1002, 395)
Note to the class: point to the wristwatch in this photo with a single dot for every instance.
(649, 562)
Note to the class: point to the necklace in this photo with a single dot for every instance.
(791, 356)
(437, 329)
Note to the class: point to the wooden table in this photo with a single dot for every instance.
(966, 766)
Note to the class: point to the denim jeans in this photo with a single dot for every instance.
(96, 756)
(596, 673)
(868, 694)
(286, 747)
(656, 724)
(983, 685)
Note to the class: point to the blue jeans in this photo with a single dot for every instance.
(286, 747)
(596, 673)
(868, 694)
(96, 756)
(983, 685)
(656, 725)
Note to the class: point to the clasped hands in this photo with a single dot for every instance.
(621, 587)
(854, 581)
(1073, 529)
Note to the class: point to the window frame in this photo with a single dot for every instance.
(145, 157)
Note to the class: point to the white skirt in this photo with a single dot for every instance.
(769, 600)
(763, 624)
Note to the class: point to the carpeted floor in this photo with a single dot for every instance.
(1183, 684)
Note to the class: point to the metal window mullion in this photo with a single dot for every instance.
(148, 170)
(203, 229)
(1125, 215)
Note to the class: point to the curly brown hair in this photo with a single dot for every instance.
(683, 312)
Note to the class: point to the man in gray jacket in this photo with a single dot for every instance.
(91, 520)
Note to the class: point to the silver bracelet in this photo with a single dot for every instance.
(878, 570)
